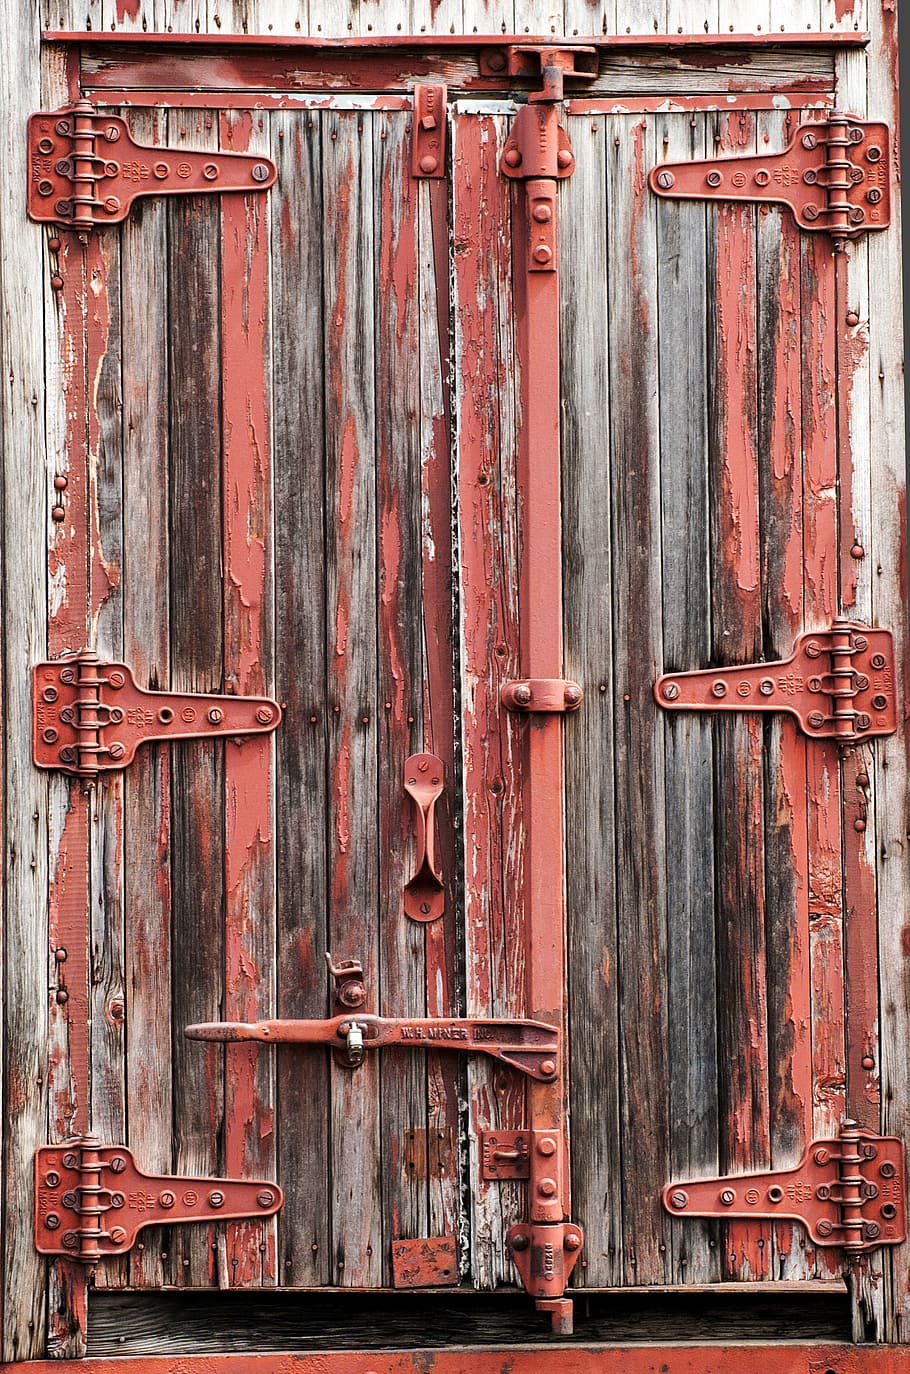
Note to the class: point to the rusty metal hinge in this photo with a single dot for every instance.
(532, 1047)
(85, 168)
(847, 1192)
(834, 175)
(428, 136)
(838, 683)
(91, 1200)
(89, 716)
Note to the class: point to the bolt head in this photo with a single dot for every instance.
(216, 1199)
(718, 689)
(564, 158)
(665, 180)
(520, 1241)
(428, 164)
(118, 1164)
(714, 178)
(52, 1179)
(572, 1241)
(573, 694)
(264, 715)
(670, 691)
(522, 694)
(265, 1198)
(824, 1227)
(52, 1221)
(543, 253)
(116, 749)
(210, 171)
(216, 715)
(260, 172)
(548, 1067)
(542, 213)
(512, 157)
(118, 1235)
(679, 1199)
(166, 1199)
(728, 1197)
(872, 1230)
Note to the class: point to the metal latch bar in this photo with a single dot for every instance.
(834, 175)
(838, 683)
(86, 169)
(847, 1192)
(532, 1047)
(89, 716)
(91, 1200)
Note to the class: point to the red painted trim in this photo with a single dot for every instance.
(822, 97)
(469, 41)
(238, 100)
(782, 1358)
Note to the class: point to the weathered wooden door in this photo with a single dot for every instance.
(292, 459)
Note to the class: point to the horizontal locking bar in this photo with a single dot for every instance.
(532, 1047)
(89, 716)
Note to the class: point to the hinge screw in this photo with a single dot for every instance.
(216, 715)
(816, 720)
(671, 690)
(714, 178)
(679, 1199)
(260, 172)
(766, 687)
(264, 715)
(887, 1170)
(728, 1197)
(118, 1235)
(116, 749)
(665, 180)
(718, 689)
(166, 1199)
(52, 1221)
(118, 1164)
(265, 1198)
(216, 1199)
(824, 1227)
(872, 1230)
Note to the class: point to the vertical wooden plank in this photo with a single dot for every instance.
(888, 563)
(399, 687)
(349, 196)
(146, 635)
(686, 500)
(488, 16)
(197, 798)
(24, 272)
(302, 1085)
(736, 634)
(590, 859)
(641, 897)
(786, 834)
(589, 18)
(487, 538)
(446, 1076)
(248, 638)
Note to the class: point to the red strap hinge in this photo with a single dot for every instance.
(847, 1192)
(85, 168)
(91, 1200)
(834, 175)
(89, 716)
(838, 683)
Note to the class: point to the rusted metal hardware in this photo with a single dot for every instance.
(85, 168)
(427, 1262)
(545, 1253)
(424, 894)
(91, 1200)
(834, 175)
(348, 988)
(847, 1192)
(532, 1047)
(838, 683)
(428, 140)
(541, 694)
(89, 716)
(538, 150)
(530, 60)
(505, 1154)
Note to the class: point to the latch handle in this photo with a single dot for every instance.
(424, 894)
(532, 1047)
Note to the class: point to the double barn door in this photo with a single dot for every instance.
(290, 434)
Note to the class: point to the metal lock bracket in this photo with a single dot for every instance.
(89, 716)
(86, 169)
(834, 175)
(428, 138)
(838, 683)
(91, 1200)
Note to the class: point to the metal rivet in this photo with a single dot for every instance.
(60, 955)
(665, 180)
(852, 318)
(61, 996)
(56, 282)
(216, 715)
(859, 824)
(548, 1067)
(428, 164)
(522, 694)
(857, 551)
(564, 158)
(542, 213)
(573, 694)
(572, 1241)
(260, 172)
(520, 1241)
(542, 253)
(61, 482)
(512, 157)
(58, 514)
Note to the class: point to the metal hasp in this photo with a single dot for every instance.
(428, 138)
(834, 176)
(88, 716)
(838, 683)
(91, 1200)
(538, 153)
(847, 1192)
(424, 894)
(85, 168)
(532, 1047)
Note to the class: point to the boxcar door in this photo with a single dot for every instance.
(414, 453)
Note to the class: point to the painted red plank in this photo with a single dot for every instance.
(248, 851)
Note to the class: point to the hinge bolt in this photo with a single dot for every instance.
(825, 1227)
(671, 690)
(542, 253)
(265, 1198)
(872, 1230)
(522, 694)
(264, 715)
(520, 1241)
(728, 1197)
(118, 1235)
(547, 1187)
(166, 1199)
(216, 715)
(572, 1241)
(718, 689)
(260, 172)
(216, 1199)
(679, 1199)
(52, 1221)
(428, 164)
(547, 1146)
(118, 1164)
(665, 180)
(512, 157)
